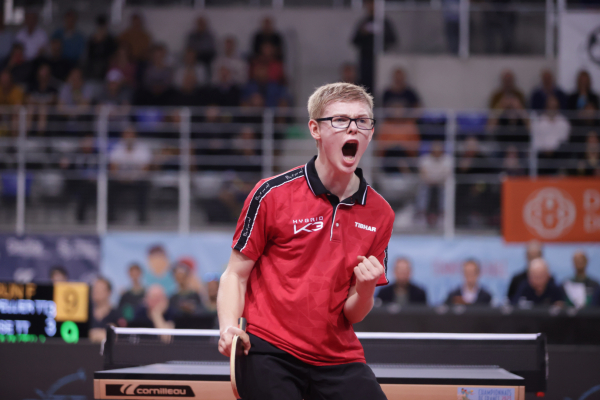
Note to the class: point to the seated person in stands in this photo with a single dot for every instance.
(402, 292)
(580, 289)
(134, 296)
(102, 311)
(185, 301)
(400, 92)
(470, 292)
(539, 288)
(589, 165)
(58, 274)
(155, 312)
(534, 250)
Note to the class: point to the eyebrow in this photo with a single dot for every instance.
(348, 116)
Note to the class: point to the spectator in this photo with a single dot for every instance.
(129, 162)
(202, 41)
(590, 165)
(398, 140)
(451, 13)
(40, 98)
(550, 130)
(33, 38)
(509, 124)
(19, 68)
(7, 39)
(470, 292)
(533, 250)
(123, 62)
(587, 119)
(267, 59)
(512, 164)
(348, 73)
(268, 34)
(226, 91)
(403, 291)
(75, 96)
(539, 289)
(434, 169)
(583, 93)
(158, 73)
(136, 38)
(185, 301)
(507, 87)
(159, 269)
(399, 92)
(133, 298)
(230, 59)
(363, 40)
(547, 88)
(155, 312)
(271, 92)
(58, 274)
(102, 311)
(100, 48)
(190, 64)
(580, 289)
(188, 94)
(114, 92)
(84, 163)
(499, 30)
(59, 66)
(10, 94)
(73, 41)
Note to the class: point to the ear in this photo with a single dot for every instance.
(313, 127)
(371, 134)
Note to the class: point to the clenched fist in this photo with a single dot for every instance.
(367, 274)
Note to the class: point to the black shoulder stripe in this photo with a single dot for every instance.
(258, 196)
(385, 261)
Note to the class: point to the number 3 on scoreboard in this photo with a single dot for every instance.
(71, 300)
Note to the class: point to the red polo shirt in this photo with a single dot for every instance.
(305, 243)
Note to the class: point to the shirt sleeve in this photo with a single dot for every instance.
(380, 249)
(251, 232)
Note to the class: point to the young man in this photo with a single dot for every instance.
(309, 249)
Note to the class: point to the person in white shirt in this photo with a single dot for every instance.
(190, 64)
(33, 38)
(470, 292)
(550, 130)
(232, 61)
(129, 161)
(434, 169)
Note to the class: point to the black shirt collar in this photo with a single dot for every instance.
(317, 187)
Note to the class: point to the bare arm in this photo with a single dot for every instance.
(360, 297)
(230, 300)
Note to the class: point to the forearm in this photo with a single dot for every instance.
(357, 307)
(230, 299)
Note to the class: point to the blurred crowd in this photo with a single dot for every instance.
(532, 287)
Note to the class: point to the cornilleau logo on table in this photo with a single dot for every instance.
(149, 390)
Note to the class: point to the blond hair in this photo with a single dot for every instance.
(341, 91)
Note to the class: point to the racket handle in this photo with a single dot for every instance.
(242, 324)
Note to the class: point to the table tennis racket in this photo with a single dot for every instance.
(235, 359)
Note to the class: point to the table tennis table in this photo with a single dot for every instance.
(210, 381)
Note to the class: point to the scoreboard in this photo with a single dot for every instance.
(31, 312)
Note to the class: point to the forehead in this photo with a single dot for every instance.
(351, 109)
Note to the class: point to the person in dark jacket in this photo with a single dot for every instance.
(470, 293)
(402, 292)
(534, 250)
(539, 289)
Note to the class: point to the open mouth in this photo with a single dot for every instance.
(349, 149)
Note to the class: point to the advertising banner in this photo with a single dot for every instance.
(436, 262)
(549, 209)
(579, 47)
(30, 258)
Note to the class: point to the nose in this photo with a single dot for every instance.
(353, 127)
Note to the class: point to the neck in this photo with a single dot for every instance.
(340, 184)
(470, 287)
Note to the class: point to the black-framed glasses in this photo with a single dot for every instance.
(344, 122)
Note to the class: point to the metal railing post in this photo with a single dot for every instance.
(184, 171)
(464, 28)
(533, 161)
(450, 184)
(102, 192)
(379, 40)
(267, 143)
(21, 173)
(116, 11)
(550, 25)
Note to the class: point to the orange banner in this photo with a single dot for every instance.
(551, 209)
